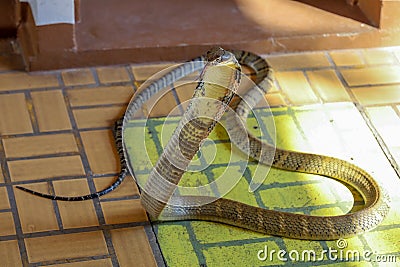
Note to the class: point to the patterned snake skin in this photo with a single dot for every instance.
(220, 73)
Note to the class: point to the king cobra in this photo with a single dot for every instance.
(219, 80)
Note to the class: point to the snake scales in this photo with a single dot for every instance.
(219, 79)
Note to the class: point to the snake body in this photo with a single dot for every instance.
(222, 68)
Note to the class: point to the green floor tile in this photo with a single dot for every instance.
(334, 129)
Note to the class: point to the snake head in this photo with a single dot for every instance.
(217, 55)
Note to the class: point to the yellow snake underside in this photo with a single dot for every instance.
(220, 78)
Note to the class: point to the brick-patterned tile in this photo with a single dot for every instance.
(39, 145)
(9, 253)
(295, 85)
(387, 122)
(377, 94)
(101, 152)
(163, 104)
(372, 75)
(144, 72)
(123, 211)
(127, 188)
(134, 238)
(328, 85)
(51, 111)
(90, 263)
(4, 202)
(100, 95)
(65, 246)
(275, 100)
(7, 224)
(113, 74)
(378, 56)
(184, 93)
(23, 170)
(98, 117)
(346, 58)
(22, 80)
(13, 108)
(78, 213)
(78, 77)
(34, 219)
(298, 61)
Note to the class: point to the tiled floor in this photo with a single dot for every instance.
(56, 137)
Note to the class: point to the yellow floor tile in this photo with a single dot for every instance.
(9, 253)
(127, 188)
(98, 117)
(328, 85)
(65, 246)
(372, 75)
(164, 105)
(377, 95)
(51, 112)
(76, 214)
(144, 72)
(34, 219)
(13, 108)
(101, 151)
(123, 211)
(347, 58)
(7, 224)
(4, 202)
(298, 61)
(185, 92)
(22, 80)
(134, 238)
(23, 170)
(292, 83)
(378, 56)
(100, 95)
(39, 145)
(275, 100)
(78, 77)
(113, 74)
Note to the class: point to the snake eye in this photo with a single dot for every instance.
(225, 56)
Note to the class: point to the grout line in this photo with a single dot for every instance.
(13, 206)
(44, 156)
(60, 178)
(99, 106)
(105, 227)
(313, 89)
(93, 70)
(131, 78)
(32, 112)
(5, 210)
(154, 245)
(110, 247)
(197, 247)
(56, 208)
(39, 89)
(70, 260)
(7, 136)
